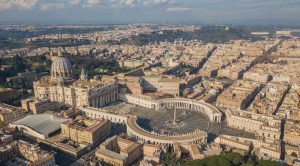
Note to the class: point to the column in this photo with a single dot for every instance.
(97, 104)
(106, 98)
(117, 94)
(93, 102)
(102, 101)
(114, 96)
(99, 101)
(110, 97)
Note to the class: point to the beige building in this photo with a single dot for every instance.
(62, 88)
(177, 150)
(10, 113)
(195, 152)
(157, 83)
(257, 76)
(238, 95)
(131, 63)
(152, 152)
(65, 145)
(38, 106)
(30, 154)
(269, 99)
(290, 106)
(233, 142)
(292, 133)
(271, 152)
(8, 152)
(7, 94)
(35, 155)
(267, 127)
(169, 86)
(134, 86)
(86, 130)
(118, 151)
(292, 154)
(263, 149)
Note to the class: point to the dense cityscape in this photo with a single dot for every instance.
(110, 97)
(195, 86)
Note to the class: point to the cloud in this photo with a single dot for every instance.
(74, 2)
(217, 11)
(91, 3)
(132, 3)
(157, 2)
(123, 3)
(51, 6)
(20, 4)
(178, 9)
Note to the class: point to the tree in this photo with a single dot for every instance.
(267, 163)
(19, 64)
(249, 162)
(226, 159)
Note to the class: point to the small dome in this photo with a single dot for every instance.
(61, 67)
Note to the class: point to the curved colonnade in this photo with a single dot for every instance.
(198, 136)
(135, 131)
(209, 110)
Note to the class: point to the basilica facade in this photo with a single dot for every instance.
(61, 87)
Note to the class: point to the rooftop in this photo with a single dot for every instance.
(41, 123)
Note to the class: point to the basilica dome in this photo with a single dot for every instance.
(61, 67)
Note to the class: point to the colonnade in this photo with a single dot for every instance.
(136, 132)
(167, 142)
(103, 99)
(212, 113)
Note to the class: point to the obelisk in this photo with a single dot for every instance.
(174, 117)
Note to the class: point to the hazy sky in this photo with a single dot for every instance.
(161, 11)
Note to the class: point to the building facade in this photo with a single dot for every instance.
(38, 106)
(86, 130)
(119, 151)
(62, 88)
(10, 113)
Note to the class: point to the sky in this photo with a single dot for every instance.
(151, 11)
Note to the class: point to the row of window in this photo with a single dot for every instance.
(105, 117)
